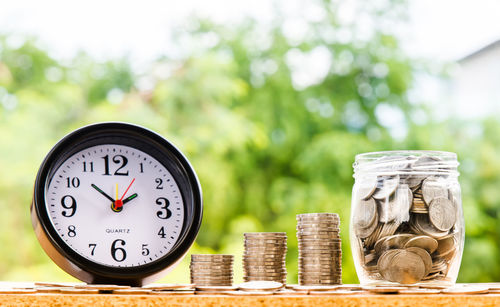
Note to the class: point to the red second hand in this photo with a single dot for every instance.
(119, 202)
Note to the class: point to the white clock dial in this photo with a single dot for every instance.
(142, 230)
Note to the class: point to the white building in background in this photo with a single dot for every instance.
(474, 90)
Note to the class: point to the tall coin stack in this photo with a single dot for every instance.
(265, 256)
(320, 253)
(211, 270)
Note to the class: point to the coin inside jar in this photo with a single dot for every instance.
(424, 242)
(426, 258)
(433, 188)
(387, 188)
(366, 220)
(442, 213)
(406, 268)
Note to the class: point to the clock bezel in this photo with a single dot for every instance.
(144, 140)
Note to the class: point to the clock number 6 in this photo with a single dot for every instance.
(115, 249)
(166, 213)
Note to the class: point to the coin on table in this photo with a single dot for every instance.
(250, 293)
(101, 287)
(260, 286)
(442, 213)
(215, 288)
(79, 291)
(172, 292)
(58, 284)
(132, 291)
(335, 292)
(466, 289)
(425, 242)
(385, 289)
(315, 288)
(419, 291)
(159, 286)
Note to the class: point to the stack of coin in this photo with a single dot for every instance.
(320, 253)
(211, 270)
(405, 220)
(265, 256)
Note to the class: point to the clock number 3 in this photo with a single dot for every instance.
(165, 213)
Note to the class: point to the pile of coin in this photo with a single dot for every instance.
(211, 270)
(265, 256)
(320, 253)
(405, 219)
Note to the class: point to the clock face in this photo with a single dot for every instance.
(115, 205)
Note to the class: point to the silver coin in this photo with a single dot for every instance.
(388, 187)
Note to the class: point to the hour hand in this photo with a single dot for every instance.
(126, 200)
(102, 192)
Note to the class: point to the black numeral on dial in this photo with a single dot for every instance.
(68, 202)
(72, 182)
(118, 253)
(165, 213)
(159, 184)
(71, 231)
(88, 167)
(162, 233)
(118, 159)
(92, 248)
(145, 250)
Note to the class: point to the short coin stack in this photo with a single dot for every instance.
(265, 256)
(212, 270)
(320, 253)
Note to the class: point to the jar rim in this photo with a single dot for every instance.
(378, 154)
(406, 162)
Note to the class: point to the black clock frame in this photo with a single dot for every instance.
(140, 138)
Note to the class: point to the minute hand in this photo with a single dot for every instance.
(102, 192)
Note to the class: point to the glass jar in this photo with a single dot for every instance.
(407, 224)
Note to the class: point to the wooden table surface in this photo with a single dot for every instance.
(46, 294)
(39, 299)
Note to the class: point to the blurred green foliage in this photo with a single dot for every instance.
(268, 137)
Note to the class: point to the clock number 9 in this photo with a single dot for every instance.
(166, 213)
(71, 206)
(114, 250)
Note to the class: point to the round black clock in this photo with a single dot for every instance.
(116, 203)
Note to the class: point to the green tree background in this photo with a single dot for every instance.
(266, 142)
